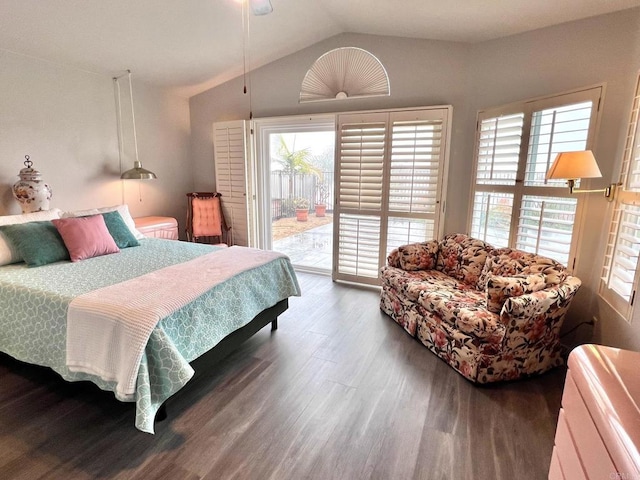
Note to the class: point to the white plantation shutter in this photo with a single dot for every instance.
(499, 149)
(361, 146)
(620, 270)
(513, 203)
(230, 153)
(415, 166)
(555, 130)
(624, 258)
(415, 178)
(359, 246)
(361, 161)
(389, 186)
(401, 231)
(545, 226)
(491, 217)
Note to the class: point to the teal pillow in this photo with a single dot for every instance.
(119, 231)
(38, 243)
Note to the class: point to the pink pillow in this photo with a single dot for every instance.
(86, 237)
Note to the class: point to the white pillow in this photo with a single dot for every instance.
(123, 210)
(7, 253)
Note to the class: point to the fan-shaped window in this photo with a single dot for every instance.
(346, 72)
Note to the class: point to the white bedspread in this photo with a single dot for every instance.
(108, 328)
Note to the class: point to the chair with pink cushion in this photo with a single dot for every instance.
(205, 219)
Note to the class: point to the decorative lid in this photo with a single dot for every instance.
(29, 173)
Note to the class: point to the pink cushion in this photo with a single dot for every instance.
(206, 217)
(86, 237)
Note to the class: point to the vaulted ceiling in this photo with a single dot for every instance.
(192, 45)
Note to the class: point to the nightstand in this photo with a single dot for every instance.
(157, 227)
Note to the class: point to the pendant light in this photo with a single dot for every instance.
(137, 172)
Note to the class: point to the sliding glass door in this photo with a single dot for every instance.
(295, 166)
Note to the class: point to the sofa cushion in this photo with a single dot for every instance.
(414, 282)
(500, 288)
(393, 260)
(465, 310)
(418, 256)
(434, 281)
(463, 257)
(508, 262)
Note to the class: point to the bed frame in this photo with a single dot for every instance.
(232, 341)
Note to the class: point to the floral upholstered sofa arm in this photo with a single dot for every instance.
(415, 256)
(534, 316)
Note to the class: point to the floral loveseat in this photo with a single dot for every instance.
(491, 314)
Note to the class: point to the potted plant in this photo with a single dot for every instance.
(302, 209)
(322, 193)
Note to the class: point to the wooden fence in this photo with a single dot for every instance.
(288, 188)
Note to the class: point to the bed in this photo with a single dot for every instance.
(36, 305)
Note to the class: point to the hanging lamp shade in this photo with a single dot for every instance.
(261, 7)
(346, 72)
(138, 173)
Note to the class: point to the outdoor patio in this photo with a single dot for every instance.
(308, 244)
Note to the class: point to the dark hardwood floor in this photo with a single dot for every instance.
(339, 391)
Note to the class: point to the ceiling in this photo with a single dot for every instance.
(193, 45)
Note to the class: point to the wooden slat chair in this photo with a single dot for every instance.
(205, 219)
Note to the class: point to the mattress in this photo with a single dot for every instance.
(34, 304)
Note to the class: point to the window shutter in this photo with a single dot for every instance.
(361, 151)
(555, 130)
(360, 167)
(416, 177)
(624, 258)
(389, 186)
(620, 269)
(498, 151)
(415, 166)
(546, 226)
(491, 217)
(631, 166)
(229, 143)
(358, 247)
(513, 204)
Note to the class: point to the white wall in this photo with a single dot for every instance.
(65, 120)
(544, 62)
(552, 60)
(421, 73)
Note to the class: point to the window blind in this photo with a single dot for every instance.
(362, 150)
(513, 204)
(620, 268)
(390, 182)
(499, 149)
(545, 226)
(415, 166)
(491, 217)
(229, 145)
(624, 260)
(555, 130)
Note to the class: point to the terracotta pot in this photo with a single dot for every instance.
(321, 210)
(302, 214)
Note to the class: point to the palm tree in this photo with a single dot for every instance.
(294, 161)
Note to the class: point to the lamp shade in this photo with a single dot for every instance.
(574, 165)
(261, 7)
(138, 173)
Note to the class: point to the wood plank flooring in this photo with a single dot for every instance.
(339, 391)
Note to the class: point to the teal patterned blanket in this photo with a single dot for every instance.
(34, 302)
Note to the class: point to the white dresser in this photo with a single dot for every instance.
(598, 432)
